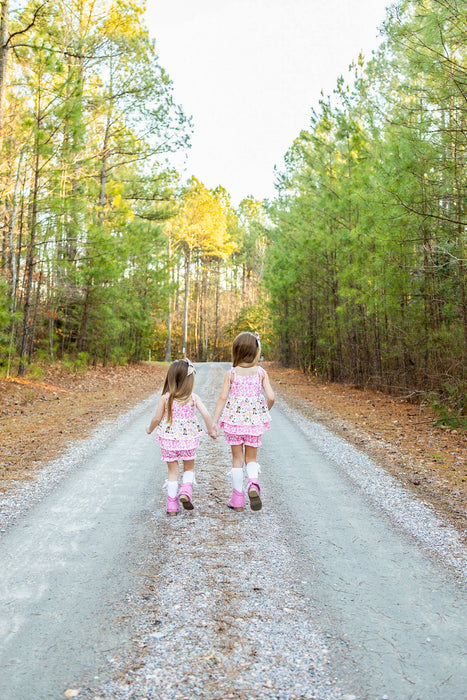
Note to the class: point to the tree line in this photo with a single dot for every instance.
(371, 217)
(355, 271)
(98, 233)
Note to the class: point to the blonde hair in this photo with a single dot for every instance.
(246, 349)
(178, 384)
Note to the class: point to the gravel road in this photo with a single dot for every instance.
(342, 587)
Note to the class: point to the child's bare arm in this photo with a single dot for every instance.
(205, 413)
(221, 401)
(157, 417)
(267, 388)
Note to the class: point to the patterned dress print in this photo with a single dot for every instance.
(184, 431)
(246, 411)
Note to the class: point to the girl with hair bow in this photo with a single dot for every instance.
(243, 408)
(178, 431)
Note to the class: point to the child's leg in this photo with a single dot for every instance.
(237, 456)
(250, 458)
(238, 499)
(237, 467)
(172, 488)
(186, 490)
(188, 470)
(252, 469)
(173, 471)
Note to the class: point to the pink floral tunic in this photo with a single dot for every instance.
(246, 411)
(184, 431)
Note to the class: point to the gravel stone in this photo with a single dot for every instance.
(418, 518)
(219, 611)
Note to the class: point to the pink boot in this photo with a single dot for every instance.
(172, 505)
(254, 494)
(185, 495)
(237, 501)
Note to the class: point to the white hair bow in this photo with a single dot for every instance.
(257, 338)
(191, 367)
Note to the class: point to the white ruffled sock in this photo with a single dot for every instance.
(172, 488)
(252, 470)
(188, 476)
(237, 478)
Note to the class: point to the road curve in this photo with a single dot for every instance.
(320, 595)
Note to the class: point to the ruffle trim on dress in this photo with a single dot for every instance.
(178, 443)
(247, 429)
(245, 421)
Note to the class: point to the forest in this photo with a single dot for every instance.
(371, 215)
(354, 272)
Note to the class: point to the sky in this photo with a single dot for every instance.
(249, 72)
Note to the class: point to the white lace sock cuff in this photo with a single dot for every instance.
(172, 488)
(237, 478)
(252, 470)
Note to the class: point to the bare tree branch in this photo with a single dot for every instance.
(424, 214)
(28, 27)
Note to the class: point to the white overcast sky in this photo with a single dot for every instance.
(250, 71)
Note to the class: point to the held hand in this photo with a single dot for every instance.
(214, 432)
(148, 430)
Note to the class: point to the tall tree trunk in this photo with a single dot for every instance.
(335, 356)
(311, 340)
(4, 25)
(76, 138)
(216, 322)
(101, 201)
(187, 293)
(459, 169)
(463, 303)
(11, 238)
(103, 171)
(51, 323)
(81, 342)
(34, 319)
(177, 286)
(204, 314)
(197, 324)
(168, 351)
(30, 262)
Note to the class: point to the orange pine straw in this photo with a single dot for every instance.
(27, 382)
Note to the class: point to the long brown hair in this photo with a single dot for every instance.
(246, 349)
(179, 385)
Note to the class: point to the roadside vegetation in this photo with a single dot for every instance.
(355, 273)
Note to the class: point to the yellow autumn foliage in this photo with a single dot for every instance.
(202, 224)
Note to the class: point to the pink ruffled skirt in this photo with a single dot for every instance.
(175, 450)
(173, 455)
(241, 439)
